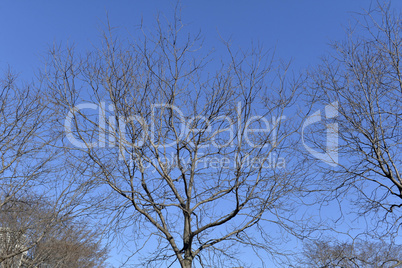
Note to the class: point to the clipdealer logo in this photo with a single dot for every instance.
(329, 156)
(111, 131)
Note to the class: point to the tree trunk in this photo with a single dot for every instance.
(187, 263)
(187, 242)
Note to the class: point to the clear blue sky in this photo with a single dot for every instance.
(300, 30)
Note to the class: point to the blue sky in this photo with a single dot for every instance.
(299, 30)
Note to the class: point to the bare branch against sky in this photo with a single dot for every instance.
(200, 134)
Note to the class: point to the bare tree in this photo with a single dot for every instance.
(46, 239)
(30, 170)
(197, 152)
(68, 245)
(330, 253)
(23, 162)
(363, 78)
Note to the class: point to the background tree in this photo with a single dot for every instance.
(70, 245)
(37, 190)
(166, 128)
(331, 253)
(363, 74)
(22, 145)
(31, 226)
